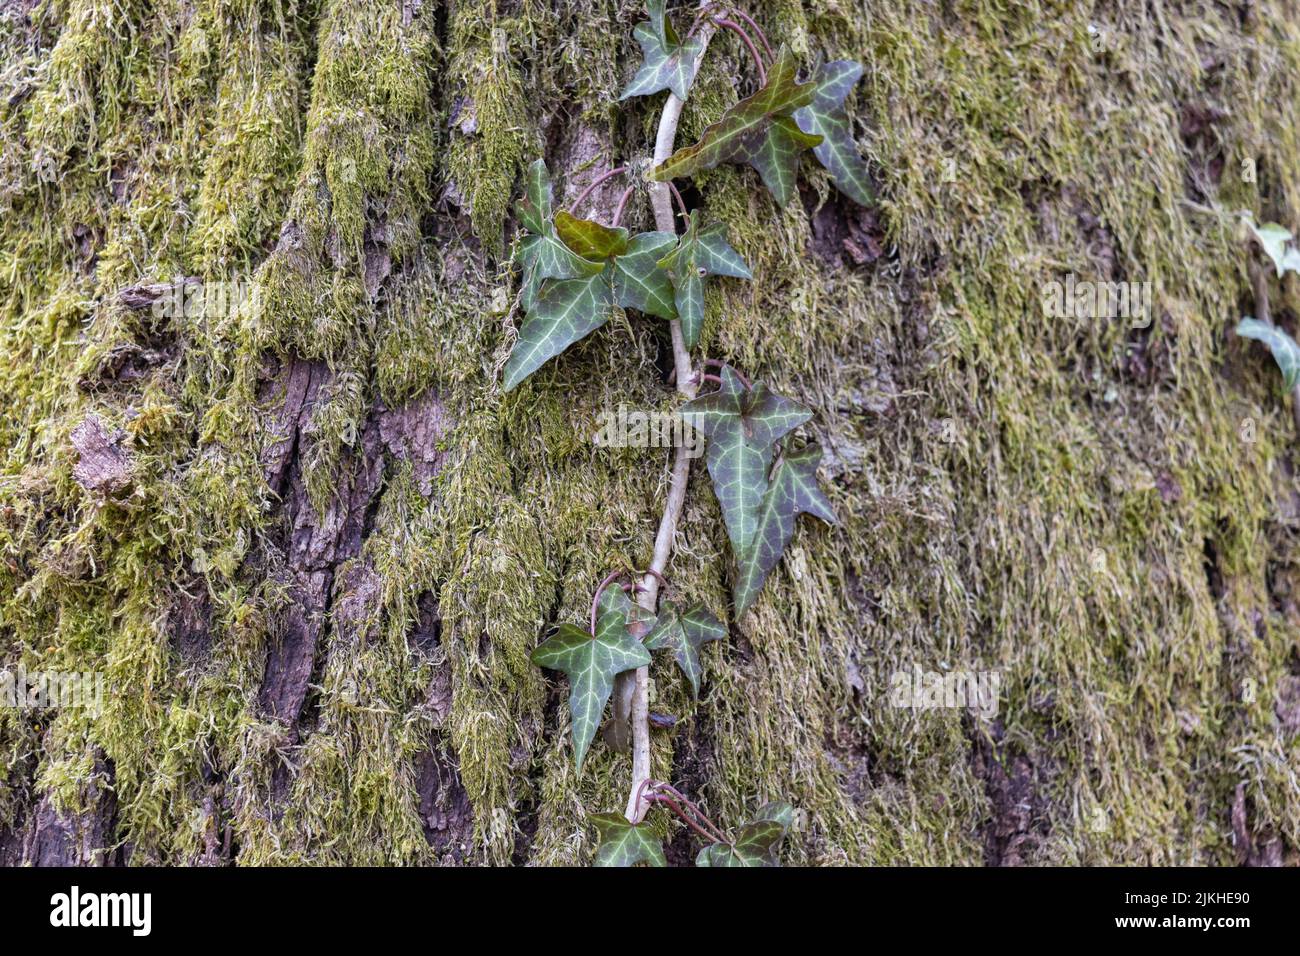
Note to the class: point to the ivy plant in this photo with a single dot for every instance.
(575, 273)
(1279, 245)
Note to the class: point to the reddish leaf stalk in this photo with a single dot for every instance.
(594, 183)
(666, 793)
(740, 31)
(758, 31)
(622, 204)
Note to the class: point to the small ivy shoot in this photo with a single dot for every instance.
(684, 633)
(1278, 244)
(668, 62)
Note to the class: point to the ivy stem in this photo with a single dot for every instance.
(740, 31)
(593, 184)
(600, 589)
(758, 32)
(661, 202)
(622, 204)
(710, 378)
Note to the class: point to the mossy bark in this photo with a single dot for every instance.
(310, 543)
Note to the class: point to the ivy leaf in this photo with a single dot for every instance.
(755, 845)
(758, 130)
(591, 663)
(542, 255)
(776, 156)
(589, 239)
(625, 844)
(566, 311)
(563, 313)
(793, 491)
(825, 116)
(699, 253)
(1285, 351)
(668, 62)
(778, 811)
(742, 426)
(1274, 239)
(639, 283)
(615, 599)
(684, 634)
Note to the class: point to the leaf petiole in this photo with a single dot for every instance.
(758, 31)
(661, 792)
(594, 183)
(741, 32)
(622, 204)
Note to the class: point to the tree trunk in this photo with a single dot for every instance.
(261, 474)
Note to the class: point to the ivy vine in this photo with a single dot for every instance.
(574, 274)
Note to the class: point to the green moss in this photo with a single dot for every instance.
(183, 137)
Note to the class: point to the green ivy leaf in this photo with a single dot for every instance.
(756, 845)
(1285, 351)
(567, 311)
(668, 62)
(589, 239)
(563, 313)
(825, 116)
(1274, 239)
(777, 811)
(639, 283)
(591, 663)
(615, 599)
(699, 253)
(793, 491)
(542, 255)
(758, 130)
(742, 426)
(684, 633)
(625, 844)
